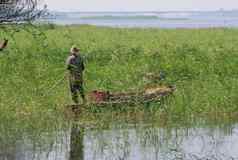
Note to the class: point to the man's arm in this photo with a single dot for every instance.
(68, 63)
(82, 63)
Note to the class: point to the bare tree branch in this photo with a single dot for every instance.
(18, 11)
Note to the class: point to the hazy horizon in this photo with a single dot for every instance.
(140, 6)
(227, 10)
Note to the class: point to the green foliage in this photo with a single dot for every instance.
(202, 63)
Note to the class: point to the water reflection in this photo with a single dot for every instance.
(127, 142)
(76, 143)
(162, 143)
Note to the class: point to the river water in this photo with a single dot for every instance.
(181, 19)
(128, 141)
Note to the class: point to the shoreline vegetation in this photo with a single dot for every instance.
(201, 63)
(120, 17)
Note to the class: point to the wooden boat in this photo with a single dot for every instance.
(105, 98)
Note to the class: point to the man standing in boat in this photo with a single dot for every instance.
(75, 66)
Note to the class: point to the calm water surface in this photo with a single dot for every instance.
(184, 19)
(127, 141)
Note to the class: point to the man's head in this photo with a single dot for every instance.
(74, 50)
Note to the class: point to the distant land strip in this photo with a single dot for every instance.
(130, 17)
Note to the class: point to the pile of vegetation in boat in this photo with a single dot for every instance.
(150, 94)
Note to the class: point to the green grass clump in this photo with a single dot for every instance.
(202, 63)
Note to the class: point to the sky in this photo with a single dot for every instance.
(140, 5)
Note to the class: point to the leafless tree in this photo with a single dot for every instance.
(16, 11)
(19, 11)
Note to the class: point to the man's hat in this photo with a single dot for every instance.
(74, 49)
